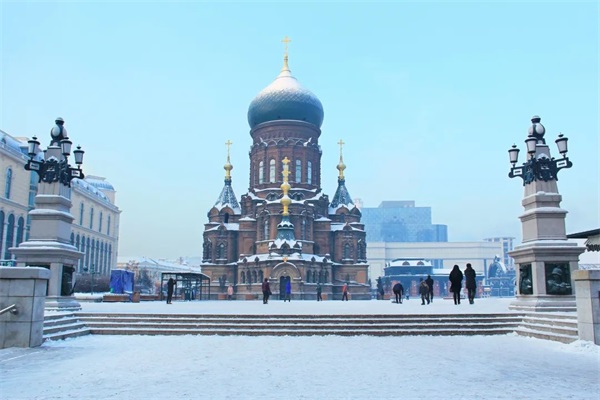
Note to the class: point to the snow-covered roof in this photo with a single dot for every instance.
(227, 199)
(290, 257)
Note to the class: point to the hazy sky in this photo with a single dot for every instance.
(428, 97)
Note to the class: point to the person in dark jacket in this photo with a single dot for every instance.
(456, 277)
(345, 292)
(398, 290)
(266, 289)
(319, 291)
(170, 288)
(423, 291)
(429, 283)
(470, 283)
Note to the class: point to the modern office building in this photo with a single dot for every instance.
(401, 221)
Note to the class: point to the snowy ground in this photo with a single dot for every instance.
(213, 367)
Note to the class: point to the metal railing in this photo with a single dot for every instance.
(12, 309)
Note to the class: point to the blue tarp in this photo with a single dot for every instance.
(121, 281)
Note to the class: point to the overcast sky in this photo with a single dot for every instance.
(427, 96)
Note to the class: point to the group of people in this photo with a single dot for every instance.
(425, 288)
(456, 277)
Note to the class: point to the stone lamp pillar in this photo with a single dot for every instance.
(546, 258)
(49, 243)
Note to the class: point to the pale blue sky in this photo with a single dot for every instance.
(428, 97)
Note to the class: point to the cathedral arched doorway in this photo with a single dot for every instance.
(283, 280)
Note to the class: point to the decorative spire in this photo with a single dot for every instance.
(227, 196)
(341, 196)
(285, 40)
(341, 166)
(285, 229)
(285, 187)
(228, 167)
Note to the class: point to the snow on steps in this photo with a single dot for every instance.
(548, 326)
(62, 325)
(300, 325)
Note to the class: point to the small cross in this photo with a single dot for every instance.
(228, 143)
(341, 143)
(286, 40)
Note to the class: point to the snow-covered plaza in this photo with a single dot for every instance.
(315, 367)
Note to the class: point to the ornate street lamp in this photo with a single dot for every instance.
(539, 167)
(53, 169)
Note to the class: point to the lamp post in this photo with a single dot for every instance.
(545, 258)
(54, 169)
(49, 243)
(539, 165)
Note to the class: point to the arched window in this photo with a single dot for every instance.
(266, 229)
(100, 224)
(405, 263)
(221, 251)
(261, 173)
(308, 276)
(260, 276)
(243, 277)
(72, 239)
(81, 214)
(309, 173)
(254, 277)
(8, 183)
(226, 217)
(347, 251)
(298, 171)
(10, 236)
(272, 171)
(20, 230)
(303, 228)
(108, 226)
(92, 218)
(101, 257)
(420, 263)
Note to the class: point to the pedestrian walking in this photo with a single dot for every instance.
(398, 290)
(288, 291)
(230, 292)
(470, 283)
(319, 291)
(456, 277)
(429, 283)
(345, 292)
(170, 289)
(266, 289)
(423, 291)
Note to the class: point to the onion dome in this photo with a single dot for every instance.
(285, 99)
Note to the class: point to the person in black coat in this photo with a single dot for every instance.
(424, 291)
(170, 287)
(398, 290)
(470, 283)
(429, 283)
(266, 289)
(456, 277)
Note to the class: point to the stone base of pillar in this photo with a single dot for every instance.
(62, 303)
(544, 303)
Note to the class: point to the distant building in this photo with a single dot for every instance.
(441, 255)
(401, 221)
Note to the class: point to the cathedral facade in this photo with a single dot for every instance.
(285, 228)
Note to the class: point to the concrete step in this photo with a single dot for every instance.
(70, 333)
(296, 332)
(557, 337)
(63, 327)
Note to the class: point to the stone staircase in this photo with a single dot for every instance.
(549, 326)
(62, 325)
(300, 325)
(558, 327)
